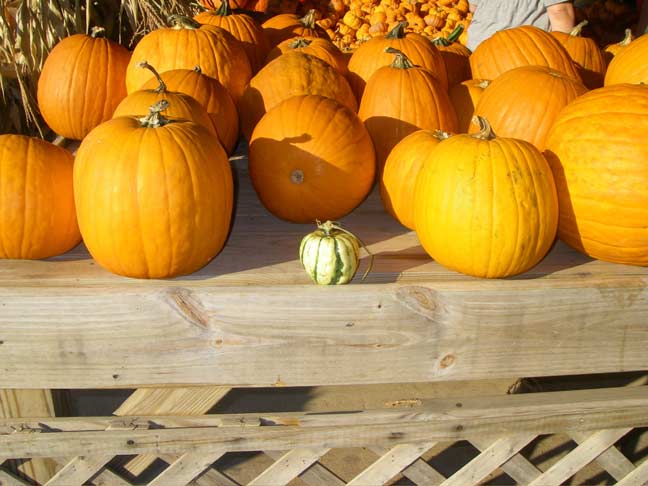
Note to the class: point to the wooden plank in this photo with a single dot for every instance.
(391, 464)
(9, 479)
(167, 401)
(213, 477)
(489, 460)
(358, 334)
(638, 477)
(109, 478)
(316, 475)
(434, 420)
(615, 463)
(419, 472)
(517, 467)
(580, 457)
(79, 470)
(185, 468)
(288, 466)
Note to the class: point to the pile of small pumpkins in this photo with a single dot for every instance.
(486, 155)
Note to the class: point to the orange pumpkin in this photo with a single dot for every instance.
(236, 4)
(487, 206)
(402, 167)
(181, 105)
(37, 215)
(211, 94)
(464, 97)
(419, 103)
(291, 74)
(630, 65)
(533, 46)
(455, 56)
(314, 46)
(190, 44)
(310, 158)
(287, 25)
(78, 65)
(371, 55)
(524, 102)
(244, 29)
(612, 50)
(598, 148)
(585, 53)
(154, 198)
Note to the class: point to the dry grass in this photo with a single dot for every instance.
(30, 28)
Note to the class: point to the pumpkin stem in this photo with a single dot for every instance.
(224, 10)
(441, 135)
(329, 226)
(162, 88)
(446, 41)
(308, 20)
(627, 39)
(197, 69)
(97, 32)
(401, 61)
(182, 22)
(299, 43)
(576, 31)
(485, 129)
(398, 32)
(154, 119)
(484, 84)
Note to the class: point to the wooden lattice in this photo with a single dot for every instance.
(402, 441)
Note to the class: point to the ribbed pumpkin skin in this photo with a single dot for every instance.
(152, 202)
(244, 29)
(456, 58)
(181, 107)
(81, 83)
(291, 74)
(464, 98)
(318, 47)
(310, 158)
(587, 55)
(390, 115)
(630, 65)
(371, 56)
(329, 259)
(598, 151)
(486, 208)
(212, 95)
(520, 46)
(402, 167)
(215, 50)
(524, 102)
(37, 215)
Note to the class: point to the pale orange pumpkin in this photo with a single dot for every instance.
(310, 157)
(37, 214)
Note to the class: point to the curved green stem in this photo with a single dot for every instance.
(182, 22)
(398, 32)
(401, 61)
(485, 129)
(162, 88)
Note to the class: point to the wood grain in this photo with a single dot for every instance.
(290, 465)
(391, 464)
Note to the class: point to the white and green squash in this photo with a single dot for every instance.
(331, 254)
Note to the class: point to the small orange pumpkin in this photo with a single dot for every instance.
(287, 25)
(585, 53)
(630, 65)
(455, 56)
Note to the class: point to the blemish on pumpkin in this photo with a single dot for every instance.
(408, 403)
(297, 176)
(189, 309)
(447, 361)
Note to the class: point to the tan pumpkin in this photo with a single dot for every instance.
(78, 65)
(464, 97)
(524, 102)
(630, 65)
(291, 74)
(211, 94)
(533, 46)
(310, 158)
(37, 214)
(419, 103)
(314, 46)
(585, 53)
(188, 44)
(402, 167)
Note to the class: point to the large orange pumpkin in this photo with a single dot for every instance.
(402, 167)
(486, 206)
(520, 46)
(371, 55)
(630, 65)
(585, 53)
(314, 46)
(598, 151)
(464, 97)
(189, 44)
(37, 215)
(310, 158)
(244, 29)
(524, 102)
(291, 74)
(154, 197)
(211, 94)
(420, 102)
(81, 83)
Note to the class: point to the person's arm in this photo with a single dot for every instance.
(472, 7)
(561, 16)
